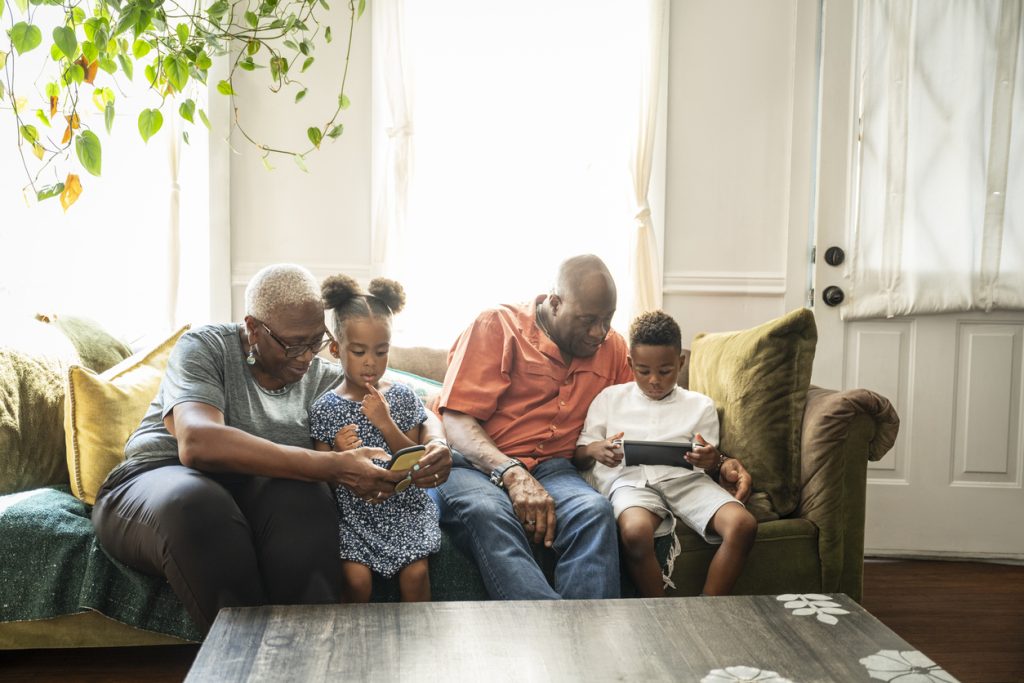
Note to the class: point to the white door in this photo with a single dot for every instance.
(952, 486)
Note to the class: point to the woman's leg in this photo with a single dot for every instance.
(636, 530)
(178, 523)
(357, 585)
(414, 581)
(737, 527)
(295, 530)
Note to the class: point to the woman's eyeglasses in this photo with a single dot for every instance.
(296, 350)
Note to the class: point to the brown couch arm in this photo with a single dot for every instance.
(842, 431)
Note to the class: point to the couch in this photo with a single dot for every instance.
(59, 589)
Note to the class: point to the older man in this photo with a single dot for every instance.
(518, 386)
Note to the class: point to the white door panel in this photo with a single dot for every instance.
(952, 485)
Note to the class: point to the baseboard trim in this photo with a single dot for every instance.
(994, 558)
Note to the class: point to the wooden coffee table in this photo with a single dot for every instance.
(800, 638)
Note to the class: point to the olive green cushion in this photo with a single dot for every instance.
(97, 348)
(758, 379)
(35, 355)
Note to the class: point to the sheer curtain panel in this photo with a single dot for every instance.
(939, 196)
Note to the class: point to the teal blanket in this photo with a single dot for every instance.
(51, 565)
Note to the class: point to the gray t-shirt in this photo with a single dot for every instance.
(207, 365)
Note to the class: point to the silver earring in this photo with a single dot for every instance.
(251, 358)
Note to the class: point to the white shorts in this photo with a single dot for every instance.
(693, 498)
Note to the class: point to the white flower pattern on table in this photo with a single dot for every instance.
(743, 674)
(908, 666)
(822, 606)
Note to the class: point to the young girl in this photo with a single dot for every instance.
(396, 534)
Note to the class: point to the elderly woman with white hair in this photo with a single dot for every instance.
(221, 491)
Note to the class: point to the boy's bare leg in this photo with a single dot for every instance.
(636, 529)
(358, 582)
(414, 581)
(737, 527)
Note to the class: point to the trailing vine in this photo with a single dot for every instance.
(172, 44)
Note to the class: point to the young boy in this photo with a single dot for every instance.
(648, 498)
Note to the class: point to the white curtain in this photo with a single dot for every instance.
(646, 258)
(939, 196)
(393, 136)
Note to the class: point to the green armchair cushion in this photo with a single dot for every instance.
(758, 379)
(35, 355)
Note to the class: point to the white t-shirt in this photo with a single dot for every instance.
(624, 408)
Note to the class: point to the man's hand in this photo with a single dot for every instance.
(606, 451)
(434, 466)
(703, 455)
(532, 504)
(355, 470)
(347, 438)
(376, 408)
(734, 478)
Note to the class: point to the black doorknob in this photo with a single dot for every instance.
(834, 256)
(832, 296)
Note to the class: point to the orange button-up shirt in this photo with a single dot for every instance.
(505, 372)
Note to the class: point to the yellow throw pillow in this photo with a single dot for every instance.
(101, 412)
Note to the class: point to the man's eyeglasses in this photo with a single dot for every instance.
(296, 350)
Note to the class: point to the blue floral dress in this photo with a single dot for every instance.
(390, 535)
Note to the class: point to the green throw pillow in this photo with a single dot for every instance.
(98, 349)
(34, 359)
(758, 379)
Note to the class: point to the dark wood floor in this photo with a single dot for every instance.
(967, 616)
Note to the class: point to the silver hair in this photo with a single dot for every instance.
(278, 286)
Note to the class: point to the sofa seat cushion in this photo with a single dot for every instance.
(783, 560)
(51, 565)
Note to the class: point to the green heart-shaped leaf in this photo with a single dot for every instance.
(64, 38)
(90, 153)
(150, 121)
(25, 37)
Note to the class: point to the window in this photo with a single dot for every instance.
(114, 255)
(517, 125)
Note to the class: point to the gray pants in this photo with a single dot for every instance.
(223, 540)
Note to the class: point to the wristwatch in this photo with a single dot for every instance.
(498, 472)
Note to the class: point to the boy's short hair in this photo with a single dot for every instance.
(656, 328)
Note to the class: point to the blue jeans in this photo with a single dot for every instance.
(479, 517)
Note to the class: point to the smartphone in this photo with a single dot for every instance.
(406, 458)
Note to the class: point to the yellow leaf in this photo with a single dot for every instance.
(72, 190)
(38, 150)
(20, 104)
(53, 106)
(67, 136)
(73, 121)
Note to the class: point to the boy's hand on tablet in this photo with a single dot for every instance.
(703, 455)
(608, 452)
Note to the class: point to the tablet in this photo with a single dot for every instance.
(656, 453)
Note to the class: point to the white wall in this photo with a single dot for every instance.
(320, 219)
(740, 131)
(741, 96)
